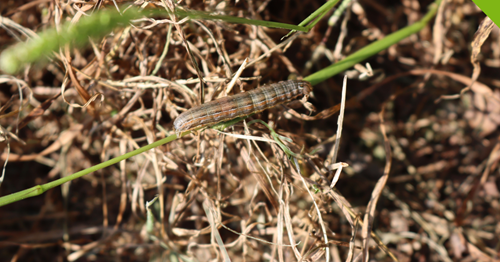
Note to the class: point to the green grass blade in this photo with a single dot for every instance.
(373, 48)
(238, 20)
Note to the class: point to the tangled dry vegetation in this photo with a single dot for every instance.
(422, 149)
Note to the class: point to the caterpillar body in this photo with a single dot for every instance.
(230, 107)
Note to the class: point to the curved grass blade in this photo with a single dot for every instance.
(98, 25)
(51, 40)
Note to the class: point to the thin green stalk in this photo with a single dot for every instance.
(238, 20)
(40, 189)
(318, 14)
(373, 48)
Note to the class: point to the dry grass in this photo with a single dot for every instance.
(415, 178)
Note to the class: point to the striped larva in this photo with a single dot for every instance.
(230, 107)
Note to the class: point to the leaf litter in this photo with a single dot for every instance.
(417, 176)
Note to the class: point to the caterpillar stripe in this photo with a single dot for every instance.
(230, 107)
